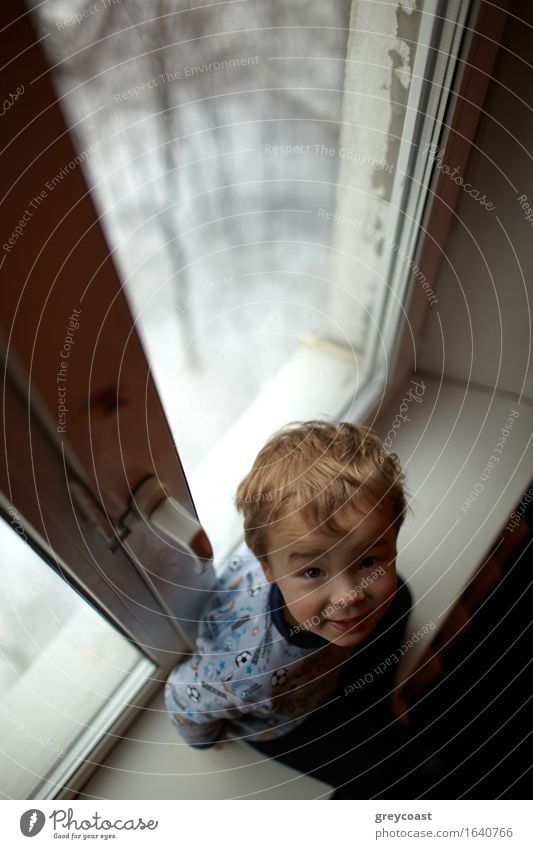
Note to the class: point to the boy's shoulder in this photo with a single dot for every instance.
(240, 587)
(237, 639)
(239, 607)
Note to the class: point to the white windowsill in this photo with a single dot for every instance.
(154, 764)
(444, 449)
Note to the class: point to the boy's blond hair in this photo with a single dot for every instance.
(316, 469)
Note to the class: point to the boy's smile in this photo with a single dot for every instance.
(336, 586)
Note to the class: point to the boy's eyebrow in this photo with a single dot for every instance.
(377, 543)
(298, 554)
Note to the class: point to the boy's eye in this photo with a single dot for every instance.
(368, 562)
(313, 572)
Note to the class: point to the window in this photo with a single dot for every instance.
(65, 672)
(260, 174)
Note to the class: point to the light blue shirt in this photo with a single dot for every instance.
(249, 670)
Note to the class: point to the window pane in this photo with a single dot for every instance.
(61, 665)
(246, 160)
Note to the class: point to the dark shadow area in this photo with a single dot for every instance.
(472, 731)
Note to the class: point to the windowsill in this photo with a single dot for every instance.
(444, 448)
(153, 763)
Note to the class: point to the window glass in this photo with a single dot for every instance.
(246, 161)
(61, 666)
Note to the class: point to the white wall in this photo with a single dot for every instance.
(481, 330)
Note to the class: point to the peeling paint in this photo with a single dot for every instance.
(401, 55)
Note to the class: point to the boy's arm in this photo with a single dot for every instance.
(198, 720)
(198, 727)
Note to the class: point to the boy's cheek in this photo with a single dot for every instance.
(291, 613)
(388, 583)
(388, 586)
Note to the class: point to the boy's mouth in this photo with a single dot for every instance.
(344, 625)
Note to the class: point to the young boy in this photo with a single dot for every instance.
(277, 659)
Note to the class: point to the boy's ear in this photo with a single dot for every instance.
(267, 571)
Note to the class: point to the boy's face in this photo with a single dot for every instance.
(336, 586)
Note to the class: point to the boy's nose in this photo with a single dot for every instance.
(347, 596)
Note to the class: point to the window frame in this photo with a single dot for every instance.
(455, 133)
(442, 46)
(70, 491)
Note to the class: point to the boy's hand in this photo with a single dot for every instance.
(224, 738)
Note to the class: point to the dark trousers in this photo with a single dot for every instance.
(352, 742)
